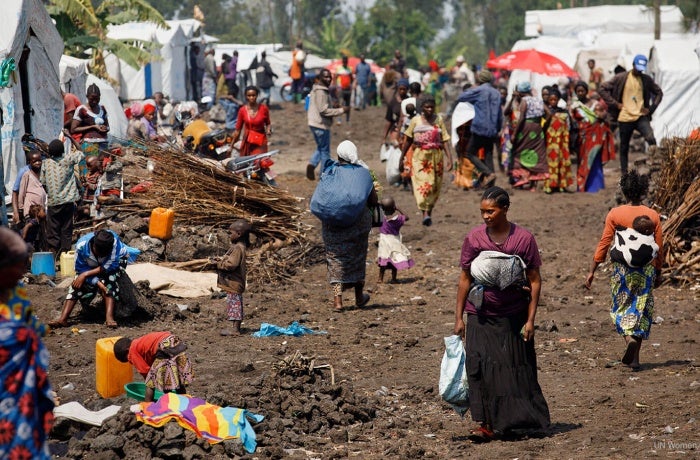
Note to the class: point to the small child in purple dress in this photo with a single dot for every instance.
(392, 253)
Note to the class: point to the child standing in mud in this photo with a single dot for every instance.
(231, 275)
(392, 253)
(160, 358)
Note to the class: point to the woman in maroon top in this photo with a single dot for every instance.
(255, 118)
(500, 328)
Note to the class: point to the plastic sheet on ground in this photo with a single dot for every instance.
(75, 411)
(295, 329)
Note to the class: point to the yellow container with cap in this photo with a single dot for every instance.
(161, 224)
(110, 374)
(68, 264)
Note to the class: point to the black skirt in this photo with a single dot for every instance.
(502, 374)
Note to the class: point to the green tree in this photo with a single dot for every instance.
(333, 40)
(84, 30)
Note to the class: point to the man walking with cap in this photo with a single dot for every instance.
(487, 123)
(632, 98)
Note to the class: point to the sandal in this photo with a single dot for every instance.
(427, 221)
(57, 324)
(111, 324)
(364, 301)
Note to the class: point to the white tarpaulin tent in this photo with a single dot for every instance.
(75, 79)
(135, 84)
(173, 71)
(568, 22)
(33, 103)
(675, 66)
(167, 72)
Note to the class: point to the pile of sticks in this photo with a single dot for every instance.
(677, 197)
(203, 192)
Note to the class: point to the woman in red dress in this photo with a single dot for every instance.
(256, 120)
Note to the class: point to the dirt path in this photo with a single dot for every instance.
(386, 356)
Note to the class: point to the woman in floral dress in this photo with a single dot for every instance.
(557, 130)
(429, 138)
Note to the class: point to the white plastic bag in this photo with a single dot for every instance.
(453, 387)
(384, 152)
(393, 175)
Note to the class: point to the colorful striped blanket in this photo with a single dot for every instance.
(213, 423)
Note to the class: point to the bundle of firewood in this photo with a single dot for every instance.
(676, 194)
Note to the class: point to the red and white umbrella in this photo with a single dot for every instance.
(533, 61)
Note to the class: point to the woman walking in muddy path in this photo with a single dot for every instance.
(631, 287)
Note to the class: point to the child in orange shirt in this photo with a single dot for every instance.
(160, 358)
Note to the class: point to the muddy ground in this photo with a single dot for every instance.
(386, 356)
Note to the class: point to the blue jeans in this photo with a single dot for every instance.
(323, 146)
(231, 109)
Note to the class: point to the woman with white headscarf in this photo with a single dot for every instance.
(347, 242)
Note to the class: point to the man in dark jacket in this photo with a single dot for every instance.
(486, 126)
(264, 78)
(632, 98)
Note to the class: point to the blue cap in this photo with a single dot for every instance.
(640, 62)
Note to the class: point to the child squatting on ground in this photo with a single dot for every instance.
(231, 271)
(160, 358)
(392, 253)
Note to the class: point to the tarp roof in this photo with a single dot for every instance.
(567, 22)
(25, 24)
(675, 66)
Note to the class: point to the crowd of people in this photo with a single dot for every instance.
(535, 139)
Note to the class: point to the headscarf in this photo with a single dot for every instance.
(149, 109)
(403, 82)
(13, 248)
(136, 109)
(523, 87)
(484, 76)
(347, 151)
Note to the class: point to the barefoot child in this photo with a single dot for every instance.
(392, 253)
(231, 271)
(160, 358)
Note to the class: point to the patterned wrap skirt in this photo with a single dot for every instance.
(172, 368)
(88, 291)
(632, 299)
(346, 250)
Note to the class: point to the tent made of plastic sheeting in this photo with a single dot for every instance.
(73, 73)
(191, 27)
(675, 67)
(568, 22)
(167, 73)
(32, 103)
(141, 83)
